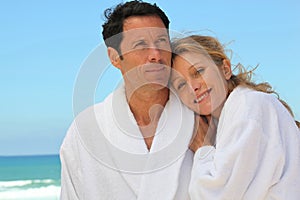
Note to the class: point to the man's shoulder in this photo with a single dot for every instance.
(95, 108)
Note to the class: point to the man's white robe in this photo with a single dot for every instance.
(104, 155)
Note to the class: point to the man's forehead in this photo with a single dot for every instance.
(145, 31)
(134, 22)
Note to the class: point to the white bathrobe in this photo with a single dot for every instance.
(104, 155)
(257, 153)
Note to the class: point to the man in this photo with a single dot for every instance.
(133, 145)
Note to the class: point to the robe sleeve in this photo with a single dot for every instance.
(70, 167)
(243, 165)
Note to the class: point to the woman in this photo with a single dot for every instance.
(252, 147)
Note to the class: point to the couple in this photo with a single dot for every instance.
(231, 140)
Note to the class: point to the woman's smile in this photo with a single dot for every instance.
(204, 95)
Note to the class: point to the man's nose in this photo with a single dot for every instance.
(154, 54)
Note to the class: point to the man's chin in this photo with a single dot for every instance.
(146, 84)
(156, 85)
(162, 82)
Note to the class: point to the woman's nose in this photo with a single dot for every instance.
(196, 84)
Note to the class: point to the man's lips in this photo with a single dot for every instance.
(154, 68)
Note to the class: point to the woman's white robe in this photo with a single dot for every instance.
(257, 153)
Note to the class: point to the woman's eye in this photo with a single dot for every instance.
(180, 85)
(200, 70)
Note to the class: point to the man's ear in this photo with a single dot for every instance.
(227, 69)
(114, 57)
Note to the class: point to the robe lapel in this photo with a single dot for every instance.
(168, 151)
(113, 137)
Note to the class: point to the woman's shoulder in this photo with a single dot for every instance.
(247, 95)
(249, 103)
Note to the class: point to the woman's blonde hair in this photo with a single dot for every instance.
(212, 48)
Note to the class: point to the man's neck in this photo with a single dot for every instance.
(147, 106)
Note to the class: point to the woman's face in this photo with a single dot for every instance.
(201, 85)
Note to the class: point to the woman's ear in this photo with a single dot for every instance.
(227, 69)
(114, 57)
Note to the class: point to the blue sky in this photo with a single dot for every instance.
(44, 43)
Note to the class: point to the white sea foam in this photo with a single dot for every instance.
(19, 183)
(4, 184)
(42, 193)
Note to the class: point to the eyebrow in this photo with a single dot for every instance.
(193, 65)
(143, 38)
(164, 35)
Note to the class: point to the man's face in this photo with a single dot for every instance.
(146, 52)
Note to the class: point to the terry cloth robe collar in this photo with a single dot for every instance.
(117, 142)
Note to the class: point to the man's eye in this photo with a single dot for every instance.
(163, 43)
(162, 40)
(140, 44)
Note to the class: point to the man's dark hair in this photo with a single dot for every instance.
(113, 27)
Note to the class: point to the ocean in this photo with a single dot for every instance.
(30, 177)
